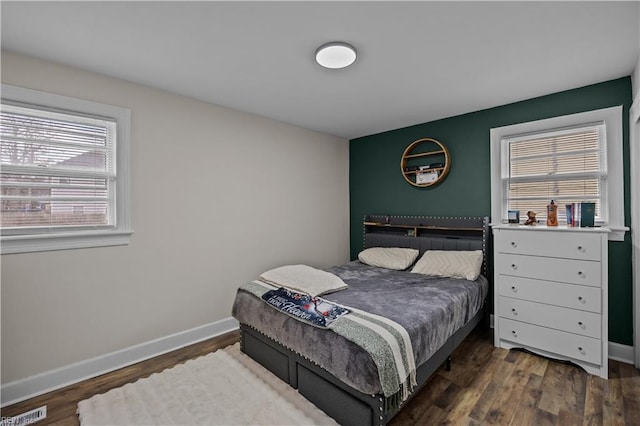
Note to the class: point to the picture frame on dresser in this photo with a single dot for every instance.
(551, 293)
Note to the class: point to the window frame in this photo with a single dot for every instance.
(74, 238)
(614, 191)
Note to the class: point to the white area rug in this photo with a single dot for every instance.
(223, 388)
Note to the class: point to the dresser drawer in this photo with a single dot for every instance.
(552, 293)
(581, 272)
(564, 319)
(570, 345)
(571, 245)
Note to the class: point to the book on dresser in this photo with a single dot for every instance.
(551, 292)
(581, 214)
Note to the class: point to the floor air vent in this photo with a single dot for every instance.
(27, 418)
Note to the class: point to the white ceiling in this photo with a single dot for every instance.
(418, 61)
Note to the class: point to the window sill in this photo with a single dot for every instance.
(13, 244)
(617, 232)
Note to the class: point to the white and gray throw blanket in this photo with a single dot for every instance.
(429, 308)
(390, 347)
(303, 278)
(386, 341)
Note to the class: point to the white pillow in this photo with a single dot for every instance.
(450, 263)
(389, 257)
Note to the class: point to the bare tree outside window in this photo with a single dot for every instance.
(55, 170)
(16, 151)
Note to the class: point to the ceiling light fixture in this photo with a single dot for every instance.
(335, 55)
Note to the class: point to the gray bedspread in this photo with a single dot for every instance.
(431, 309)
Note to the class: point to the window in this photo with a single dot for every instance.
(65, 171)
(565, 166)
(567, 159)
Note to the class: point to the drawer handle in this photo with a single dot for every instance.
(514, 244)
(514, 333)
(514, 289)
(514, 267)
(581, 249)
(581, 350)
(581, 324)
(515, 312)
(581, 299)
(581, 274)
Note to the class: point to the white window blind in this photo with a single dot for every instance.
(567, 166)
(58, 170)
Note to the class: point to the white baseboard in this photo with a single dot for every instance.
(617, 351)
(48, 381)
(622, 353)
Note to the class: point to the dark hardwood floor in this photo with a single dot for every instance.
(486, 385)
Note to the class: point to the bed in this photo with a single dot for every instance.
(335, 372)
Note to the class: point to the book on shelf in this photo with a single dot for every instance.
(569, 214)
(581, 214)
(587, 214)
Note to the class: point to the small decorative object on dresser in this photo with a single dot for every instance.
(531, 218)
(552, 214)
(551, 293)
(513, 216)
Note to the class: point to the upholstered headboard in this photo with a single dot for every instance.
(430, 233)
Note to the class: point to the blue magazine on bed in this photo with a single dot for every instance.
(314, 310)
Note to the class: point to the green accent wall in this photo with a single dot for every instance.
(377, 187)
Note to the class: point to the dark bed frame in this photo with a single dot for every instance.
(347, 405)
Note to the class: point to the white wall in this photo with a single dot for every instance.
(635, 203)
(635, 80)
(635, 77)
(247, 194)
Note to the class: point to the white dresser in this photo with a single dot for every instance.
(550, 292)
